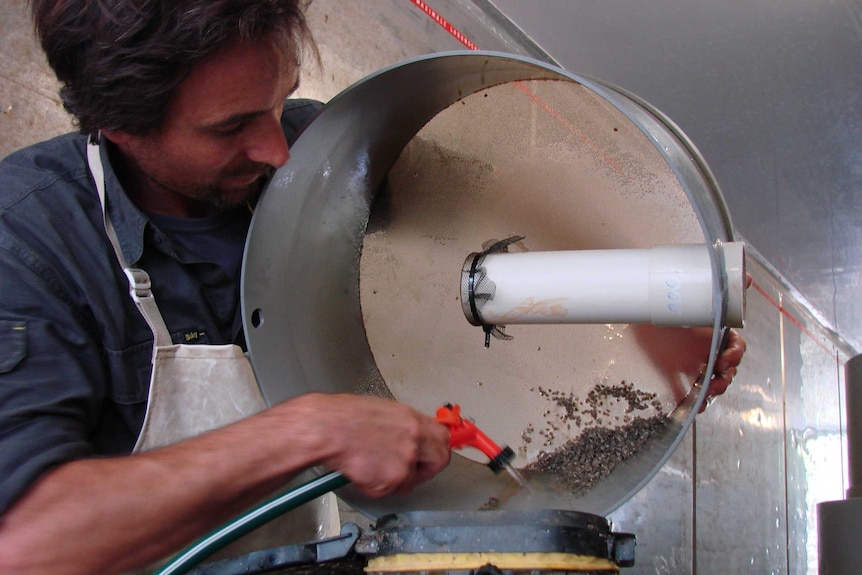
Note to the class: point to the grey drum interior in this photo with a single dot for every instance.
(352, 268)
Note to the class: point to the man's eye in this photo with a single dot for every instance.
(231, 130)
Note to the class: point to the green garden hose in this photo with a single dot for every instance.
(251, 520)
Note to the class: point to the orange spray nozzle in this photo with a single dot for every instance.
(464, 433)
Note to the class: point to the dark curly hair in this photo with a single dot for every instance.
(120, 60)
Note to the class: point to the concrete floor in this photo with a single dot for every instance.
(739, 494)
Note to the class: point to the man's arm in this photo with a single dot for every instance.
(110, 515)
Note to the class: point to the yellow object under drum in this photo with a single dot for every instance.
(436, 562)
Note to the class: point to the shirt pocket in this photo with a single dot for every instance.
(130, 370)
(13, 342)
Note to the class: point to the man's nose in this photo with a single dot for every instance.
(267, 145)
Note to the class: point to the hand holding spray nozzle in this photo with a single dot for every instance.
(462, 433)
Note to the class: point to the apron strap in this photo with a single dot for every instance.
(139, 281)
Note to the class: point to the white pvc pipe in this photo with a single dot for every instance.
(667, 285)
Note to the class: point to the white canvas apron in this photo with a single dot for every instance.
(196, 388)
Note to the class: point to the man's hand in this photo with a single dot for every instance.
(727, 361)
(725, 367)
(382, 446)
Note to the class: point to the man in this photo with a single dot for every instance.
(185, 101)
(182, 113)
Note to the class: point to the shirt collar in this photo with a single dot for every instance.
(129, 222)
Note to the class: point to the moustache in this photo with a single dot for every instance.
(257, 170)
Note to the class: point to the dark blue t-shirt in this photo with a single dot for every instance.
(219, 239)
(74, 350)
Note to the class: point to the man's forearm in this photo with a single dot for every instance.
(108, 515)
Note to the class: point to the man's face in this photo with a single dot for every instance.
(220, 138)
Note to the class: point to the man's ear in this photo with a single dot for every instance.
(117, 137)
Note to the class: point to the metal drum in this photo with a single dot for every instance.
(352, 268)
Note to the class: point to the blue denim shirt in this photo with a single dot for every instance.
(75, 352)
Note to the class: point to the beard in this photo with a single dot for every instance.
(218, 196)
(221, 197)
